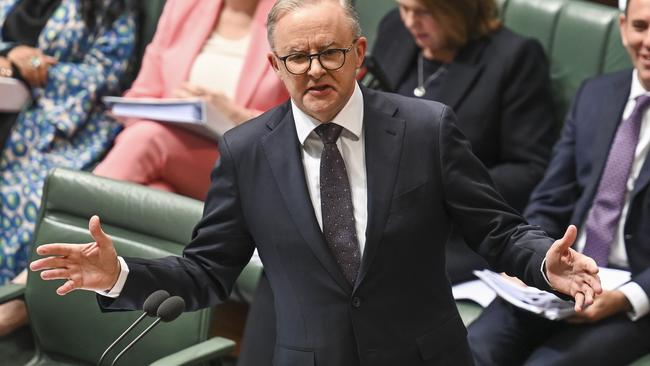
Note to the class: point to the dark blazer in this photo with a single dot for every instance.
(421, 177)
(499, 88)
(566, 193)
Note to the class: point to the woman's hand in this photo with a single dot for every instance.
(32, 64)
(218, 100)
(5, 68)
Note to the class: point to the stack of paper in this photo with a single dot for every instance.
(541, 302)
(193, 114)
(14, 95)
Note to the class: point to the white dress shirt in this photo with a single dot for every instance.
(351, 145)
(618, 255)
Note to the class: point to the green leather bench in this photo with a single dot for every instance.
(71, 330)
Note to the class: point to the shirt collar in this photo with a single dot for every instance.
(637, 88)
(350, 117)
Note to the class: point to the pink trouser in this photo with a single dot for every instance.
(163, 157)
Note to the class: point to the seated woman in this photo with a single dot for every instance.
(458, 53)
(210, 49)
(70, 53)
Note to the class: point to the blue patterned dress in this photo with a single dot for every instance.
(64, 127)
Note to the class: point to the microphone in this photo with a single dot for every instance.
(169, 310)
(150, 307)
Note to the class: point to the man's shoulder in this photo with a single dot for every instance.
(412, 110)
(609, 80)
(251, 131)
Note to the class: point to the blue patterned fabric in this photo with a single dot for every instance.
(64, 127)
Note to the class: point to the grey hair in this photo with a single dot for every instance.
(281, 7)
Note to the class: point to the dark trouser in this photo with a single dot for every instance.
(504, 335)
(258, 342)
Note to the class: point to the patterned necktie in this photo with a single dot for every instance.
(336, 204)
(610, 197)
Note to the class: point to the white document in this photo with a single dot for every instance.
(14, 95)
(540, 302)
(193, 114)
(476, 291)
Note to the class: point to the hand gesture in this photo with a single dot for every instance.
(218, 100)
(605, 305)
(32, 64)
(91, 266)
(572, 273)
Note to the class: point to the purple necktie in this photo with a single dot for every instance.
(610, 197)
(336, 204)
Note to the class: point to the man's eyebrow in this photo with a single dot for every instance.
(300, 49)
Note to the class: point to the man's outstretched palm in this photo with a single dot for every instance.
(92, 266)
(572, 273)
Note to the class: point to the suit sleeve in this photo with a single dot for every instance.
(527, 127)
(488, 224)
(553, 200)
(220, 249)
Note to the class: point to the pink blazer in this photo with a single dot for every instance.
(183, 28)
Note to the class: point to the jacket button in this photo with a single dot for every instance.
(628, 236)
(356, 302)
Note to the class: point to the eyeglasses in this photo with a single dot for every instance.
(330, 59)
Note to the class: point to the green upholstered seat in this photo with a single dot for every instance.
(71, 330)
(579, 46)
(370, 13)
(541, 26)
(616, 57)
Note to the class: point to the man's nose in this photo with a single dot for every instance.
(316, 70)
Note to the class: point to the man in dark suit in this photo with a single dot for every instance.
(599, 179)
(351, 229)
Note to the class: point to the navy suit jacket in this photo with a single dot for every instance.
(421, 177)
(566, 193)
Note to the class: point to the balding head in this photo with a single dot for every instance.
(282, 7)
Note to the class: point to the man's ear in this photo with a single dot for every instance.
(360, 47)
(273, 61)
(622, 20)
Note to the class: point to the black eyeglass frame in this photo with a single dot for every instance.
(317, 55)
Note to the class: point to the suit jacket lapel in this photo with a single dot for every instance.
(384, 134)
(462, 74)
(282, 150)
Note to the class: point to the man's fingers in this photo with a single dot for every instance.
(580, 299)
(55, 249)
(56, 274)
(567, 240)
(48, 263)
(66, 288)
(593, 281)
(95, 227)
(588, 293)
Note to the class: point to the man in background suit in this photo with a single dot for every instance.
(351, 230)
(598, 178)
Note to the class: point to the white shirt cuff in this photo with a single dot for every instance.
(121, 279)
(542, 269)
(637, 298)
